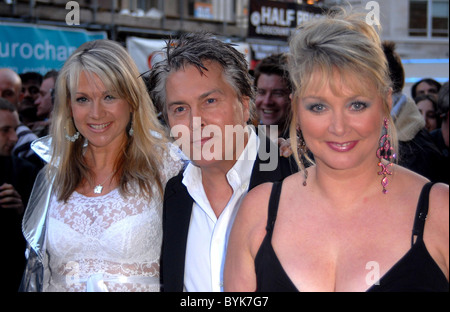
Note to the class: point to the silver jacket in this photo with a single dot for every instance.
(34, 225)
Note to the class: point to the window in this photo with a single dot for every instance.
(217, 10)
(201, 9)
(428, 18)
(439, 17)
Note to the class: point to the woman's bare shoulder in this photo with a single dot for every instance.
(256, 201)
(438, 213)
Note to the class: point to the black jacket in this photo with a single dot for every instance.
(422, 156)
(21, 174)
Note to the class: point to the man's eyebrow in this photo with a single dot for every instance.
(176, 103)
(206, 94)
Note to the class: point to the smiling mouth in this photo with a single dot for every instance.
(342, 147)
(100, 127)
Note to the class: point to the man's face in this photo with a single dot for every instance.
(206, 108)
(44, 101)
(425, 88)
(30, 92)
(10, 91)
(9, 121)
(272, 100)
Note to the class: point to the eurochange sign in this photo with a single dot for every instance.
(278, 20)
(31, 48)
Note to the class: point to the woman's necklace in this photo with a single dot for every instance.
(99, 188)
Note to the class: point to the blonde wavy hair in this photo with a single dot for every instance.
(140, 160)
(344, 43)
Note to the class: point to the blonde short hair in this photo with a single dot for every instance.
(340, 43)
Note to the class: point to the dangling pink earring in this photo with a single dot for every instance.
(302, 151)
(386, 152)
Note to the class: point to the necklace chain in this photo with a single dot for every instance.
(99, 188)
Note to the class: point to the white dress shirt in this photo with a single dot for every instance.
(208, 235)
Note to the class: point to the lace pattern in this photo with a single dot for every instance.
(107, 243)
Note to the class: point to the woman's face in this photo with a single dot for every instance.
(99, 114)
(342, 129)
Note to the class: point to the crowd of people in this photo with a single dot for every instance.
(102, 195)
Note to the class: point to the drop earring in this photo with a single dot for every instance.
(302, 150)
(385, 152)
(72, 138)
(131, 131)
(68, 137)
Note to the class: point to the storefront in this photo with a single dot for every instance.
(271, 23)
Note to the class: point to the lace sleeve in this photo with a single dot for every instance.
(173, 162)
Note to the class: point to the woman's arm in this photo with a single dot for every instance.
(245, 239)
(436, 234)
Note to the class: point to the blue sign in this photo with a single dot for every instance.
(31, 48)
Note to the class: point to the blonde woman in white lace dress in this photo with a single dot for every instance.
(94, 218)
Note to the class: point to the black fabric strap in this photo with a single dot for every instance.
(421, 212)
(273, 206)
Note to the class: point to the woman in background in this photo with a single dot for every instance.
(427, 106)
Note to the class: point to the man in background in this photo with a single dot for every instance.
(44, 104)
(31, 82)
(273, 89)
(11, 90)
(17, 177)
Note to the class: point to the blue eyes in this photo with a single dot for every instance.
(356, 106)
(179, 109)
(316, 108)
(83, 99)
(208, 103)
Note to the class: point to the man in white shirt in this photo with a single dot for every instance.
(208, 232)
(206, 95)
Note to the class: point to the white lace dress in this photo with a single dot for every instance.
(106, 243)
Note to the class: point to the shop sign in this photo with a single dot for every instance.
(33, 48)
(277, 20)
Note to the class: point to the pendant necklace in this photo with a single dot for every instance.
(99, 188)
